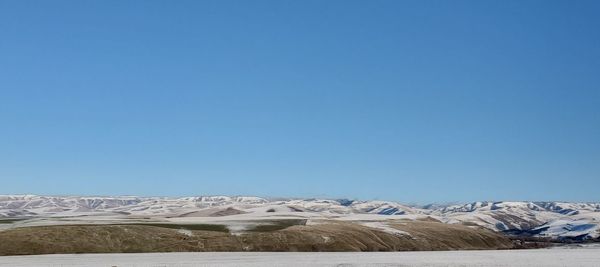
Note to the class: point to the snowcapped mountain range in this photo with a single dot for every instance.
(563, 220)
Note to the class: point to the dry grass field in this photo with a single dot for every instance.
(324, 236)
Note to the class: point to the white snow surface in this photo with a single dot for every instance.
(584, 257)
(386, 228)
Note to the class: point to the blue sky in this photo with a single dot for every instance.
(414, 101)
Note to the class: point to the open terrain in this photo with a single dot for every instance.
(276, 236)
(498, 258)
(46, 225)
(553, 220)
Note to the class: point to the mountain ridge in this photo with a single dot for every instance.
(552, 219)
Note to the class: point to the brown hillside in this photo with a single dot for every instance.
(329, 236)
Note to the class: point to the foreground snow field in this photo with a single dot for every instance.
(516, 258)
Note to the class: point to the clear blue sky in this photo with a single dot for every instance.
(414, 101)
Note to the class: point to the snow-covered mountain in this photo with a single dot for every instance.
(577, 221)
(33, 205)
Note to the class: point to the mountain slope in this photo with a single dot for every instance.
(577, 221)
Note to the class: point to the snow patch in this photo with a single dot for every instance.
(185, 232)
(383, 226)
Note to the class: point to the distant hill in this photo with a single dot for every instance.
(555, 220)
